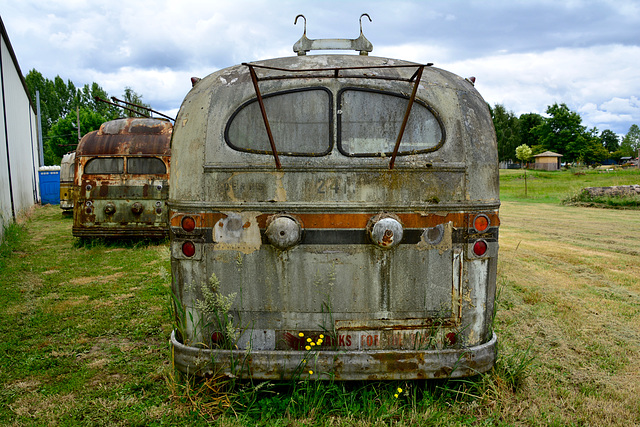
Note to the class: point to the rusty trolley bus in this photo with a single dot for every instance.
(335, 214)
(67, 170)
(121, 180)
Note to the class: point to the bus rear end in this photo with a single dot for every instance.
(334, 216)
(121, 178)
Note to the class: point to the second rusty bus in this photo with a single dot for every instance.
(121, 180)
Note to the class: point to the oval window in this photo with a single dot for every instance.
(300, 122)
(104, 165)
(145, 165)
(369, 123)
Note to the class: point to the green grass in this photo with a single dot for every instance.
(85, 328)
(553, 187)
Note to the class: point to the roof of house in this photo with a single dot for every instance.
(548, 154)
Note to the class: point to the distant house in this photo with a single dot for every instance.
(548, 161)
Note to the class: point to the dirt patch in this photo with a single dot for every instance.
(96, 279)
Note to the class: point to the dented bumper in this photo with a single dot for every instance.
(337, 365)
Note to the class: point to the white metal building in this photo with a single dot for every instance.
(19, 158)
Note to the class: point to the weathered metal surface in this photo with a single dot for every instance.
(304, 45)
(67, 172)
(128, 136)
(336, 365)
(112, 197)
(387, 298)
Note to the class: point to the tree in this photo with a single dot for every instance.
(593, 151)
(610, 140)
(527, 123)
(631, 141)
(507, 132)
(59, 102)
(133, 98)
(524, 154)
(63, 135)
(562, 132)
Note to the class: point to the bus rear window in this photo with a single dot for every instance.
(300, 121)
(369, 123)
(145, 165)
(104, 165)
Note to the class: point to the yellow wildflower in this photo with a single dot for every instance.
(310, 372)
(312, 344)
(395, 395)
(307, 348)
(319, 342)
(309, 340)
(399, 390)
(321, 336)
(300, 334)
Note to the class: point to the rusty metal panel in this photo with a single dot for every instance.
(395, 265)
(128, 137)
(112, 195)
(337, 365)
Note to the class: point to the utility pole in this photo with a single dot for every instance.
(40, 145)
(78, 122)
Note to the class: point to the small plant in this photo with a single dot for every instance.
(524, 154)
(12, 236)
(217, 308)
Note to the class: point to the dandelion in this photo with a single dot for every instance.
(399, 390)
(319, 342)
(309, 340)
(307, 348)
(321, 336)
(310, 372)
(395, 395)
(312, 344)
(300, 334)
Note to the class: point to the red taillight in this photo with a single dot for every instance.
(480, 247)
(481, 223)
(188, 249)
(188, 223)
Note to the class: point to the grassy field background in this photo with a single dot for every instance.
(85, 331)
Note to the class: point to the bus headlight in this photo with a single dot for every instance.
(109, 208)
(137, 208)
(283, 231)
(385, 230)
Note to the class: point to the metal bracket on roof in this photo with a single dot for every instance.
(304, 45)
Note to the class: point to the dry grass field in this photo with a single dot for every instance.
(569, 281)
(85, 332)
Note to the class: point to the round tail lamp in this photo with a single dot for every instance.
(188, 224)
(385, 230)
(283, 231)
(481, 223)
(188, 249)
(110, 208)
(137, 208)
(480, 247)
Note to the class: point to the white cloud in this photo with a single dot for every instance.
(525, 55)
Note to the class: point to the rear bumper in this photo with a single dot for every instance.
(121, 232)
(337, 365)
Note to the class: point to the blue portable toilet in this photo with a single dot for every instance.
(50, 184)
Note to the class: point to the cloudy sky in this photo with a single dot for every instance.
(525, 55)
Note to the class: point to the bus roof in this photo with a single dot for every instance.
(131, 136)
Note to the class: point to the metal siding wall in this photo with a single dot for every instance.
(20, 130)
(5, 198)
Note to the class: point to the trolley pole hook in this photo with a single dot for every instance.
(364, 14)
(304, 34)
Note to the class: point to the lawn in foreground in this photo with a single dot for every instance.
(85, 331)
